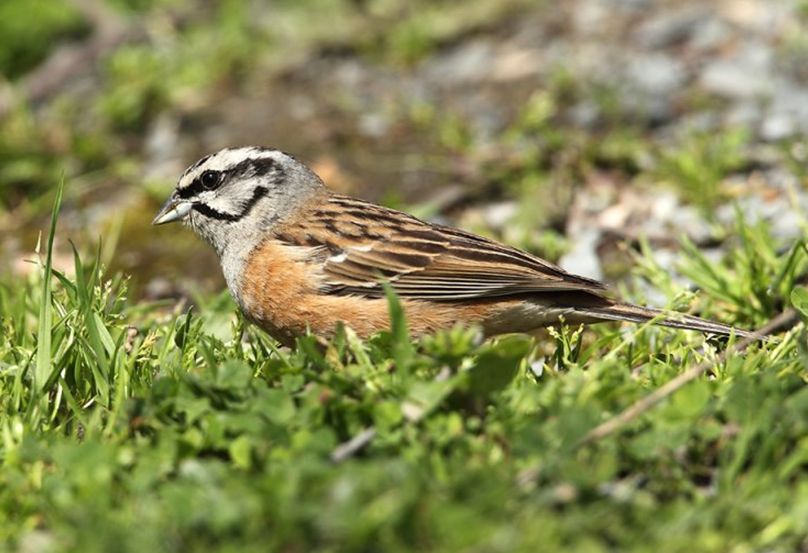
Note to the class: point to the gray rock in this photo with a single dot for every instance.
(777, 126)
(583, 259)
(734, 80)
(590, 17)
(700, 121)
(374, 125)
(584, 114)
(788, 225)
(634, 5)
(666, 29)
(747, 75)
(689, 221)
(162, 156)
(656, 74)
(516, 63)
(787, 113)
(709, 34)
(497, 215)
(469, 62)
(744, 113)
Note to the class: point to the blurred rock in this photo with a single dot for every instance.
(515, 63)
(582, 259)
(584, 114)
(591, 17)
(497, 215)
(466, 63)
(160, 288)
(374, 125)
(787, 113)
(777, 126)
(666, 28)
(746, 75)
(656, 74)
(759, 16)
(709, 34)
(744, 113)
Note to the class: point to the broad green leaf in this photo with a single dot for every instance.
(240, 451)
(799, 300)
(690, 400)
(497, 364)
(278, 406)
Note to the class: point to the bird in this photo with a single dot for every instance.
(299, 258)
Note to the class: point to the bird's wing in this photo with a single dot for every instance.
(360, 245)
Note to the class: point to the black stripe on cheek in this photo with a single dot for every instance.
(190, 191)
(208, 211)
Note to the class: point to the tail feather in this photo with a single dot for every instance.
(637, 314)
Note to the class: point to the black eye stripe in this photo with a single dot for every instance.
(202, 183)
(191, 190)
(249, 167)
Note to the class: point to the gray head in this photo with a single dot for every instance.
(236, 193)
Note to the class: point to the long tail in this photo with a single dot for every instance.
(637, 314)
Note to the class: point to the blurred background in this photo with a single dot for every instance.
(573, 129)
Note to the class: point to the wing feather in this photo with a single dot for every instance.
(418, 259)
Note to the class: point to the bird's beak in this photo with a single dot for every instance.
(173, 210)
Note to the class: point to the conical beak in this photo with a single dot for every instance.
(173, 210)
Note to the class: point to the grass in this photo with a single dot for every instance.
(125, 427)
(700, 163)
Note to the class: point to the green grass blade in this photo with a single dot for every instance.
(42, 368)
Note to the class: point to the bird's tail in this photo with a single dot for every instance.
(637, 314)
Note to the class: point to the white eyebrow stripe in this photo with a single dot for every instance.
(224, 160)
(339, 258)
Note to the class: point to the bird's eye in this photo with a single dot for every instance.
(210, 179)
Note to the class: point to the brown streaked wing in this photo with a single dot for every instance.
(365, 244)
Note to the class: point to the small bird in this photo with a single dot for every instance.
(298, 257)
